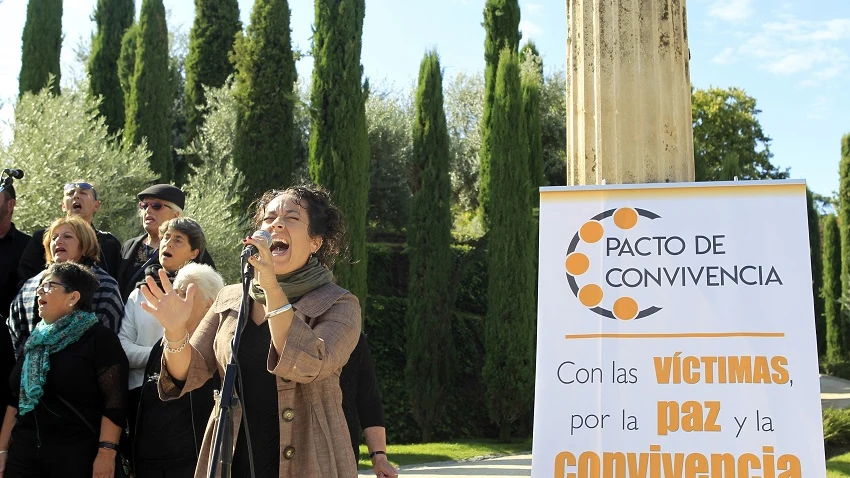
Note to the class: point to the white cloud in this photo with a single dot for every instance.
(819, 108)
(814, 51)
(725, 57)
(731, 10)
(532, 8)
(530, 30)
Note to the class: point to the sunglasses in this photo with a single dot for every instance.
(48, 286)
(85, 186)
(156, 206)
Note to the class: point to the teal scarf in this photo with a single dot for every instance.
(295, 284)
(45, 340)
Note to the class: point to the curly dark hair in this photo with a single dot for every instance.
(326, 219)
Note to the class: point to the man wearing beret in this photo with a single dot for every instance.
(157, 204)
(79, 198)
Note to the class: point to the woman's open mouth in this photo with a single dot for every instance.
(279, 248)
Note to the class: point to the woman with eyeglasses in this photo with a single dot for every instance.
(68, 386)
(182, 241)
(68, 239)
(169, 434)
(157, 204)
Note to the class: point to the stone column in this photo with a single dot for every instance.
(628, 92)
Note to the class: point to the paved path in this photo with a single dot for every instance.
(835, 393)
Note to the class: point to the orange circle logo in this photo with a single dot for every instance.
(591, 294)
(577, 263)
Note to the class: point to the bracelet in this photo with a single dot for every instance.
(278, 311)
(166, 344)
(3, 451)
(108, 445)
(372, 455)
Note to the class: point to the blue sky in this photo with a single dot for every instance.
(790, 56)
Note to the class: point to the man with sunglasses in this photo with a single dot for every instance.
(157, 204)
(79, 198)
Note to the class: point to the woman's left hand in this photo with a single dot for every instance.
(262, 262)
(104, 464)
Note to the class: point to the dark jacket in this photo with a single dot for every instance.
(12, 246)
(32, 260)
(169, 433)
(130, 274)
(361, 397)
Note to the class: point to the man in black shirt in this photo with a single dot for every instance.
(79, 198)
(12, 244)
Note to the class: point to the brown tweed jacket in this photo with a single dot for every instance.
(314, 439)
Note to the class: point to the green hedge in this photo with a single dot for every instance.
(388, 274)
(384, 323)
(466, 412)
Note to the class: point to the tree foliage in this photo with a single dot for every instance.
(127, 62)
(339, 140)
(61, 138)
(816, 255)
(389, 116)
(509, 337)
(210, 46)
(429, 320)
(836, 344)
(728, 138)
(844, 215)
(208, 185)
(148, 113)
(532, 81)
(41, 47)
(501, 26)
(112, 18)
(265, 78)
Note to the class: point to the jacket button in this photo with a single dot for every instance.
(288, 414)
(288, 452)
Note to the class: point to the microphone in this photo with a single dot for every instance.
(260, 235)
(15, 173)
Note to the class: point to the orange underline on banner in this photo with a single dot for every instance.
(693, 335)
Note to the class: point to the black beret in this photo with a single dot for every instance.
(167, 192)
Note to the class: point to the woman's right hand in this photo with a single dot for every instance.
(171, 310)
(3, 457)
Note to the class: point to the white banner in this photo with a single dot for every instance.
(676, 333)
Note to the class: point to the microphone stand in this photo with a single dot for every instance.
(224, 439)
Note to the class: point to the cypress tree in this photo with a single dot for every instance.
(835, 342)
(501, 25)
(817, 271)
(112, 17)
(149, 109)
(429, 322)
(264, 145)
(127, 62)
(41, 47)
(509, 330)
(208, 62)
(532, 80)
(844, 227)
(339, 141)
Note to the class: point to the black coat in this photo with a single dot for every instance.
(130, 274)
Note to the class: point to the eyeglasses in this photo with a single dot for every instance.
(156, 206)
(85, 186)
(48, 286)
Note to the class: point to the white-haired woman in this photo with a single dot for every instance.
(169, 433)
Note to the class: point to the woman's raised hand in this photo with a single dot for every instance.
(166, 305)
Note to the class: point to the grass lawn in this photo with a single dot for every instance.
(838, 466)
(401, 455)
